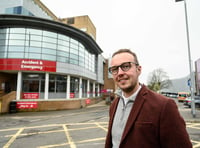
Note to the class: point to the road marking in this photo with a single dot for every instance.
(72, 143)
(55, 145)
(77, 142)
(91, 140)
(13, 138)
(69, 138)
(196, 145)
(105, 129)
(37, 133)
(193, 125)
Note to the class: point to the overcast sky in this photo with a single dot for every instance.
(154, 29)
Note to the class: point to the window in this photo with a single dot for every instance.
(74, 86)
(48, 57)
(70, 20)
(16, 49)
(49, 45)
(32, 82)
(57, 83)
(84, 88)
(15, 55)
(61, 83)
(17, 36)
(17, 30)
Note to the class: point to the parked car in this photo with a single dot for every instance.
(188, 101)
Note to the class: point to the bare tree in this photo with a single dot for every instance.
(158, 79)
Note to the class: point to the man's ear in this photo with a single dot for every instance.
(139, 68)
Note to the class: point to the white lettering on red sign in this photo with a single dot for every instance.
(30, 64)
(25, 105)
(30, 95)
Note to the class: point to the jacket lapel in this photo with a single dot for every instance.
(137, 106)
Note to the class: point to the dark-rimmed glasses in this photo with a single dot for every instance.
(124, 67)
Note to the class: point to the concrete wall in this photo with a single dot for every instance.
(5, 101)
(50, 105)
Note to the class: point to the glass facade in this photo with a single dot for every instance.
(28, 43)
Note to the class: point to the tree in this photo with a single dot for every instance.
(158, 80)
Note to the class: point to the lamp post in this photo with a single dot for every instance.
(190, 62)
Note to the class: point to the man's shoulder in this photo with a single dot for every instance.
(151, 95)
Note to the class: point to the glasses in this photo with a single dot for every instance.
(124, 67)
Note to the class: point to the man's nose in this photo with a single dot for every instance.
(120, 71)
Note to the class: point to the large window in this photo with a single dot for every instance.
(57, 83)
(74, 87)
(84, 88)
(31, 43)
(33, 82)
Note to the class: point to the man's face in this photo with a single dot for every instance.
(126, 80)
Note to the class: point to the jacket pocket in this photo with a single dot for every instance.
(145, 130)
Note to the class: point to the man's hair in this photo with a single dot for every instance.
(126, 51)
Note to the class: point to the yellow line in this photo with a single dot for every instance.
(13, 138)
(50, 125)
(31, 127)
(193, 126)
(37, 133)
(69, 138)
(105, 129)
(197, 144)
(55, 145)
(91, 140)
(53, 131)
(64, 144)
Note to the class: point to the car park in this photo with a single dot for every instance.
(187, 102)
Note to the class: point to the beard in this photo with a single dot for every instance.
(128, 89)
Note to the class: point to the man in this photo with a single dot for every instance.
(139, 117)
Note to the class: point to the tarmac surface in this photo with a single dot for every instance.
(187, 113)
(80, 128)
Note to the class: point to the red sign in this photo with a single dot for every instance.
(26, 105)
(72, 95)
(27, 64)
(87, 101)
(30, 95)
(104, 91)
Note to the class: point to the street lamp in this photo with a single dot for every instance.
(190, 62)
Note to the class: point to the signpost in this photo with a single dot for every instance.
(190, 63)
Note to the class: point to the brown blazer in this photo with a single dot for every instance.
(154, 122)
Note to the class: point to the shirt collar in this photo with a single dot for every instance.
(129, 99)
(133, 96)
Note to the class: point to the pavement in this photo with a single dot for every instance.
(189, 116)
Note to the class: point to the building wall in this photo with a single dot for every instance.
(108, 81)
(48, 44)
(59, 55)
(9, 3)
(197, 78)
(83, 23)
(36, 7)
(100, 69)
